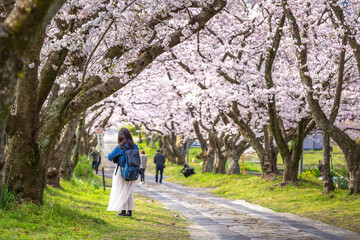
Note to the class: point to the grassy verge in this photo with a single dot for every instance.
(79, 212)
(337, 209)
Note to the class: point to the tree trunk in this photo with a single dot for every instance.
(291, 169)
(219, 156)
(180, 149)
(2, 158)
(265, 153)
(207, 152)
(54, 164)
(208, 160)
(153, 141)
(353, 163)
(291, 162)
(25, 169)
(268, 157)
(140, 139)
(180, 160)
(82, 145)
(86, 143)
(75, 153)
(273, 160)
(168, 150)
(219, 163)
(161, 143)
(324, 166)
(24, 26)
(148, 139)
(93, 142)
(234, 152)
(181, 152)
(233, 163)
(66, 166)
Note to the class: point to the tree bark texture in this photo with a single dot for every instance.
(139, 135)
(168, 150)
(2, 161)
(66, 166)
(153, 141)
(233, 153)
(75, 153)
(175, 148)
(219, 155)
(26, 171)
(291, 158)
(22, 28)
(208, 160)
(54, 164)
(147, 139)
(207, 152)
(161, 143)
(324, 166)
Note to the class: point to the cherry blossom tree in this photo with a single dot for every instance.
(262, 87)
(340, 18)
(21, 27)
(91, 50)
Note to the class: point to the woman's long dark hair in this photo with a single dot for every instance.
(124, 136)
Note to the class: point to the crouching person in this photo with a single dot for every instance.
(187, 171)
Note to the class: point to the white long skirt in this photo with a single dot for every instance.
(121, 196)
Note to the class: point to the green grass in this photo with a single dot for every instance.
(79, 212)
(339, 208)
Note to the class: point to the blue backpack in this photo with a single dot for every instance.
(131, 170)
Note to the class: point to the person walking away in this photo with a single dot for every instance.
(95, 160)
(159, 160)
(143, 159)
(122, 192)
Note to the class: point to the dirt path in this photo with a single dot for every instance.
(213, 217)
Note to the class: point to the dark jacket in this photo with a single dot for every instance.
(95, 156)
(159, 160)
(120, 153)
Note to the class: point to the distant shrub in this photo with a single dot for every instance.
(309, 173)
(83, 168)
(313, 172)
(341, 182)
(83, 174)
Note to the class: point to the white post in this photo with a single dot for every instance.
(100, 140)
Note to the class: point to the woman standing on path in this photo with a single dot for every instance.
(143, 159)
(121, 196)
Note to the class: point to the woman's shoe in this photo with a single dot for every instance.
(121, 214)
(129, 214)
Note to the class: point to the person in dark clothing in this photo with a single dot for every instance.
(95, 162)
(187, 171)
(159, 160)
(143, 159)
